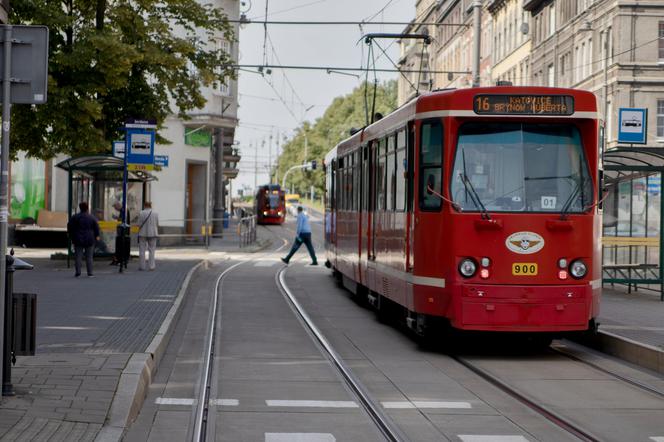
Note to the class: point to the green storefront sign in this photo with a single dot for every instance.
(197, 137)
(28, 184)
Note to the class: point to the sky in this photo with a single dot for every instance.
(276, 104)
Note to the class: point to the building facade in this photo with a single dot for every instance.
(614, 48)
(449, 56)
(202, 159)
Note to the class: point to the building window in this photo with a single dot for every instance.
(552, 19)
(551, 75)
(660, 119)
(661, 42)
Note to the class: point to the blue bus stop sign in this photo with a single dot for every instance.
(140, 149)
(632, 125)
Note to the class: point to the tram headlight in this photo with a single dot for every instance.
(578, 269)
(467, 268)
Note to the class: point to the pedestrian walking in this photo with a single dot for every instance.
(83, 230)
(148, 231)
(302, 235)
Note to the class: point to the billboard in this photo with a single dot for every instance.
(28, 186)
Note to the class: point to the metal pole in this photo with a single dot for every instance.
(218, 214)
(606, 94)
(4, 159)
(269, 160)
(477, 18)
(255, 168)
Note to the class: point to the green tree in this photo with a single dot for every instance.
(344, 113)
(110, 60)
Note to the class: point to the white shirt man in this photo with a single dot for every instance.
(148, 222)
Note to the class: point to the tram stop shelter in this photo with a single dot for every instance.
(98, 180)
(632, 251)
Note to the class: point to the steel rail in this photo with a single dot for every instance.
(542, 410)
(389, 430)
(203, 404)
(601, 369)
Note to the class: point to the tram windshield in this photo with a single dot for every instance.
(273, 201)
(520, 167)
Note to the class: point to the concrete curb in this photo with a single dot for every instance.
(137, 375)
(643, 355)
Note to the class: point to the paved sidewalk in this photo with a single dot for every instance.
(637, 315)
(631, 327)
(87, 331)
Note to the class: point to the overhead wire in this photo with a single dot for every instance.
(291, 9)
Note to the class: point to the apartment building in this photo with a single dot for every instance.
(449, 56)
(511, 43)
(202, 159)
(613, 48)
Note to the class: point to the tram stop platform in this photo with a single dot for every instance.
(631, 326)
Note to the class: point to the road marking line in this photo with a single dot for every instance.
(424, 404)
(173, 401)
(265, 263)
(491, 438)
(189, 402)
(225, 402)
(299, 437)
(316, 404)
(657, 438)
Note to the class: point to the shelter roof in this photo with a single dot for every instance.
(102, 166)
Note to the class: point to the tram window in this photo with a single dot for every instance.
(389, 188)
(357, 194)
(380, 184)
(431, 162)
(400, 191)
(390, 143)
(401, 139)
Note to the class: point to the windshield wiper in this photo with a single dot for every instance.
(474, 196)
(471, 189)
(568, 202)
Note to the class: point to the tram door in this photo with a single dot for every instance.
(428, 219)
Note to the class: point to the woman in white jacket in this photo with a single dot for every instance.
(148, 222)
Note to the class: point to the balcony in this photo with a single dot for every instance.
(533, 5)
(231, 155)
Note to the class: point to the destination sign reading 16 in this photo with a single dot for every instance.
(524, 104)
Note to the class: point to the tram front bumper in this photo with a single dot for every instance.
(523, 308)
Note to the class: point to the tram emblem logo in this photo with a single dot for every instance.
(524, 243)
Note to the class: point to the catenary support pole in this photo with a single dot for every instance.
(218, 213)
(4, 175)
(477, 19)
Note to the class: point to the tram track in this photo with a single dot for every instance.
(383, 422)
(202, 407)
(542, 410)
(625, 379)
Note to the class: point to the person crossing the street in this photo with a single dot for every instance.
(302, 235)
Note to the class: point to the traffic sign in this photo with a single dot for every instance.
(161, 160)
(140, 149)
(29, 63)
(632, 125)
(119, 149)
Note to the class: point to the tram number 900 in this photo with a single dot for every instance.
(524, 269)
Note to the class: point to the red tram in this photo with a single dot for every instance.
(270, 204)
(477, 206)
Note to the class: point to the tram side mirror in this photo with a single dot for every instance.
(431, 181)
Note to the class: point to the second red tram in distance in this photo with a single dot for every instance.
(475, 206)
(270, 204)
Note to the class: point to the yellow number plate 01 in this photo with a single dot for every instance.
(524, 269)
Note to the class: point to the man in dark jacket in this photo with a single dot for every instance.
(83, 231)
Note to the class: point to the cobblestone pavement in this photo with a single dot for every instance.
(87, 329)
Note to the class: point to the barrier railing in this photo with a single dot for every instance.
(199, 231)
(246, 230)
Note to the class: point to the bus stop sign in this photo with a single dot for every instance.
(29, 64)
